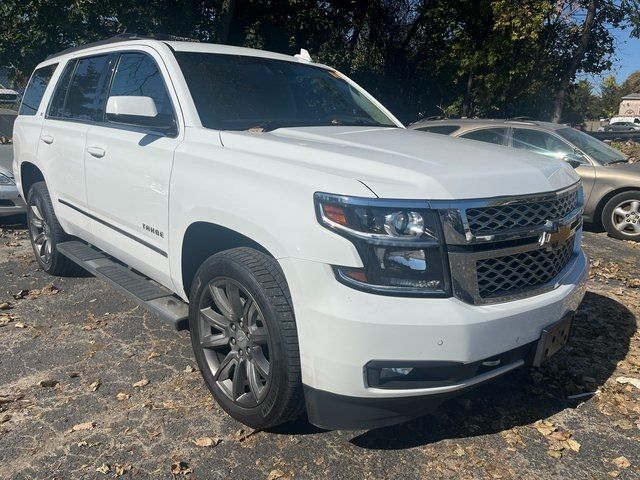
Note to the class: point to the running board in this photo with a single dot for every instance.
(136, 286)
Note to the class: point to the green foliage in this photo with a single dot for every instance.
(420, 57)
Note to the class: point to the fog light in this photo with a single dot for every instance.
(395, 372)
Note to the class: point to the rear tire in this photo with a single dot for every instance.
(621, 216)
(244, 337)
(45, 232)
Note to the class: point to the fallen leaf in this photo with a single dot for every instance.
(48, 383)
(142, 383)
(275, 474)
(50, 289)
(614, 474)
(83, 426)
(20, 325)
(189, 369)
(82, 444)
(5, 320)
(572, 445)
(153, 355)
(554, 453)
(621, 462)
(206, 442)
(95, 385)
(21, 294)
(627, 380)
(544, 427)
(104, 468)
(121, 469)
(5, 306)
(180, 468)
(123, 396)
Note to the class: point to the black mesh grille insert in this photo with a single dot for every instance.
(502, 275)
(487, 220)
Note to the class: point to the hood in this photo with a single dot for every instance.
(631, 168)
(400, 163)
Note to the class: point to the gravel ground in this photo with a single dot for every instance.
(92, 386)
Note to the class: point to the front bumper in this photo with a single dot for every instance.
(341, 330)
(10, 201)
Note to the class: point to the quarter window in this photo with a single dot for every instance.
(137, 75)
(441, 129)
(540, 142)
(496, 136)
(35, 90)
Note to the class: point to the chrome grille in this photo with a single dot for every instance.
(491, 219)
(501, 276)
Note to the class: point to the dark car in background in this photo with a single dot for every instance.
(611, 183)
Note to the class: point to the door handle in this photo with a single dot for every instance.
(48, 139)
(96, 152)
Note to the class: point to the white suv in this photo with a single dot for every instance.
(323, 256)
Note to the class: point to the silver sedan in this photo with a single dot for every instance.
(10, 201)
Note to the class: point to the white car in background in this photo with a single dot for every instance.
(8, 96)
(10, 201)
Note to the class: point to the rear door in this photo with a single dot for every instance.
(79, 95)
(128, 168)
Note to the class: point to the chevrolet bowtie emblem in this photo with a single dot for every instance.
(559, 236)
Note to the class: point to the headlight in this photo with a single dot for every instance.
(5, 180)
(400, 244)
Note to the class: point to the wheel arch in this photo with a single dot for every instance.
(204, 239)
(597, 217)
(29, 174)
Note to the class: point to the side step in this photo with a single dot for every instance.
(136, 286)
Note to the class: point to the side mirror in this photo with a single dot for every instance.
(119, 108)
(575, 160)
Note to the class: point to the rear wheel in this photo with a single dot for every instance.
(244, 337)
(45, 231)
(621, 216)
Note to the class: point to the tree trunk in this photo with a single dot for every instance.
(226, 16)
(467, 101)
(570, 73)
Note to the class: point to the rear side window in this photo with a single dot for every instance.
(441, 129)
(497, 136)
(35, 90)
(137, 75)
(83, 95)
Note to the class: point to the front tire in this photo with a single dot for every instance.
(244, 337)
(45, 231)
(621, 216)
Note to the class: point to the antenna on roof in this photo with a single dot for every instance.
(303, 55)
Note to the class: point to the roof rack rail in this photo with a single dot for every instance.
(122, 37)
(523, 119)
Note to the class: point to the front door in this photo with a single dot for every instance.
(128, 165)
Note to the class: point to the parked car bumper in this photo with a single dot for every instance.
(346, 336)
(11, 202)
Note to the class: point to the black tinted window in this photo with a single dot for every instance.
(35, 90)
(57, 102)
(240, 92)
(488, 135)
(441, 129)
(137, 75)
(86, 93)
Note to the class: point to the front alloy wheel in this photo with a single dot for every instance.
(236, 341)
(244, 337)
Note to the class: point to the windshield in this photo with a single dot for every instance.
(233, 92)
(596, 149)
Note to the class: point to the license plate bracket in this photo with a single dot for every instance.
(552, 340)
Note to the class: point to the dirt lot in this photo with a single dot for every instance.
(92, 386)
